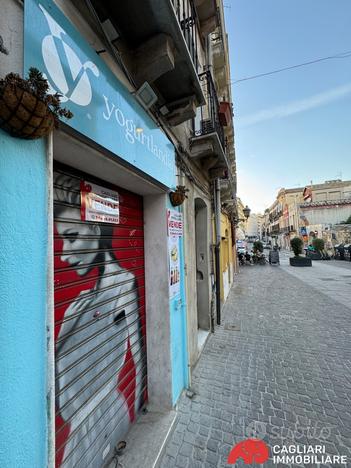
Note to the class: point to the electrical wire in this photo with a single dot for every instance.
(279, 70)
(112, 50)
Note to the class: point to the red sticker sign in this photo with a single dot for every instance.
(99, 204)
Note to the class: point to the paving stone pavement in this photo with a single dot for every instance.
(332, 277)
(285, 376)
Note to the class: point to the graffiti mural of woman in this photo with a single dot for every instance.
(98, 329)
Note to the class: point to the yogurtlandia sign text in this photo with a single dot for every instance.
(103, 108)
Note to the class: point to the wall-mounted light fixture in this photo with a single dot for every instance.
(146, 95)
(246, 212)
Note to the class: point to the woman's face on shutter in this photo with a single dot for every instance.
(80, 241)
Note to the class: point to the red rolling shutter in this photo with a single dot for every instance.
(100, 353)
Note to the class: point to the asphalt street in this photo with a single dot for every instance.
(277, 369)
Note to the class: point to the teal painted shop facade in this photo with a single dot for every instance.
(92, 290)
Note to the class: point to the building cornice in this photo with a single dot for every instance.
(326, 203)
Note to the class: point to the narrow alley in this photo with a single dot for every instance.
(277, 369)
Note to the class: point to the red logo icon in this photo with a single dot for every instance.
(250, 450)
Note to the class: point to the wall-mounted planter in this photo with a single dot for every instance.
(179, 195)
(27, 109)
(23, 115)
(300, 262)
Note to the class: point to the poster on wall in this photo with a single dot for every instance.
(174, 266)
(175, 232)
(175, 223)
(99, 204)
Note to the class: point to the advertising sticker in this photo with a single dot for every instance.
(99, 204)
(175, 232)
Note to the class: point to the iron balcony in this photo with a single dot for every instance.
(208, 142)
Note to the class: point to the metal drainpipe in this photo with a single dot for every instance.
(217, 205)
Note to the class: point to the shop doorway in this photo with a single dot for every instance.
(100, 323)
(202, 269)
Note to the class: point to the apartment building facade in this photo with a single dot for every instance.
(301, 211)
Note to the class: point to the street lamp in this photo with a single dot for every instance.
(246, 212)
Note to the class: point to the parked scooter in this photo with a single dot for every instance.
(244, 258)
(262, 260)
(259, 258)
(241, 258)
(248, 258)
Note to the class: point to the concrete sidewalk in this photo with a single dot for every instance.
(278, 368)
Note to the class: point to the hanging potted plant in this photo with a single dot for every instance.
(27, 110)
(179, 195)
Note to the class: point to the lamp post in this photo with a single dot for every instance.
(237, 220)
(246, 212)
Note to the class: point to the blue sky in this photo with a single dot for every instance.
(294, 126)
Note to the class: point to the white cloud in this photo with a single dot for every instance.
(296, 107)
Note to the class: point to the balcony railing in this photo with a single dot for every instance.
(186, 14)
(284, 230)
(207, 119)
